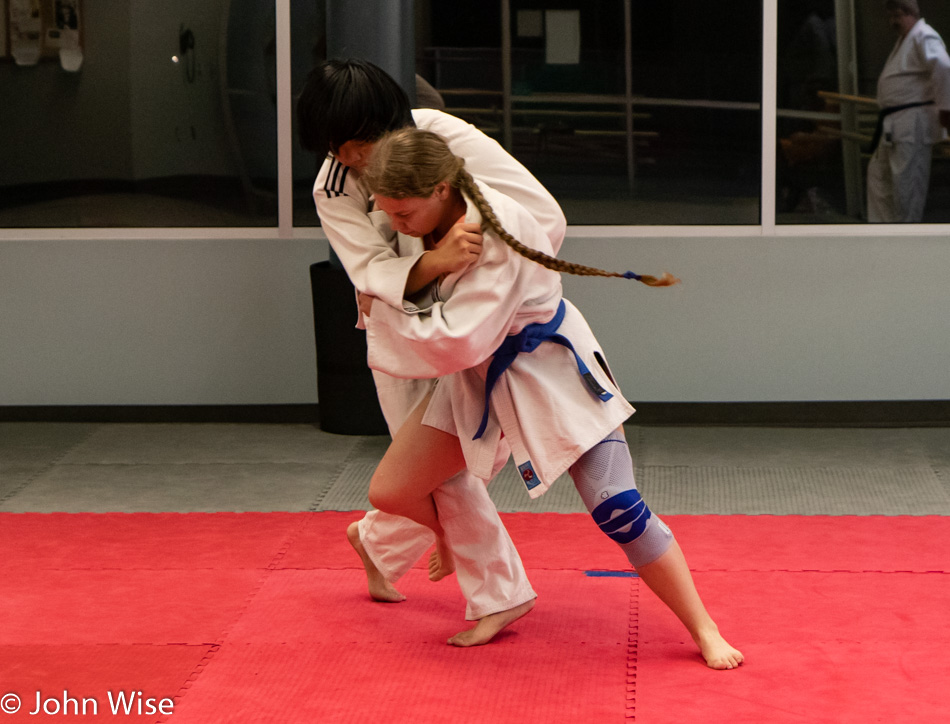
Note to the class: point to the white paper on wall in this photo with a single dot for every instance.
(563, 46)
(64, 34)
(26, 27)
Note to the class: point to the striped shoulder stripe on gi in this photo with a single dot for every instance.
(336, 179)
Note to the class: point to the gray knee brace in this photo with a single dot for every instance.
(604, 478)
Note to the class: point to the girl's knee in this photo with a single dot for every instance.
(379, 501)
(385, 499)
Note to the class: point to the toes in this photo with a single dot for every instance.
(460, 640)
(727, 663)
(385, 593)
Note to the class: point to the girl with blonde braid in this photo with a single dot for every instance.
(516, 361)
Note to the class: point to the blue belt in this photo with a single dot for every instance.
(527, 340)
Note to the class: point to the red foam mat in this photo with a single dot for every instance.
(842, 648)
(321, 542)
(88, 675)
(814, 542)
(797, 682)
(435, 684)
(337, 657)
(122, 607)
(265, 618)
(776, 605)
(326, 607)
(749, 542)
(317, 540)
(145, 540)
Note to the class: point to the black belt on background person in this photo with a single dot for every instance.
(885, 112)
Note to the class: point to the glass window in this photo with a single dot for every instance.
(308, 47)
(630, 112)
(121, 114)
(831, 56)
(130, 114)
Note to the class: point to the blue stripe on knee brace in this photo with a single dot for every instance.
(635, 514)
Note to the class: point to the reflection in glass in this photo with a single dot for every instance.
(830, 60)
(626, 116)
(809, 166)
(169, 121)
(308, 47)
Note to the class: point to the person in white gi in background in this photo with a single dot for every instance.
(344, 107)
(518, 365)
(913, 92)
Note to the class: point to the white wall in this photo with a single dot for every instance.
(224, 321)
(773, 319)
(157, 322)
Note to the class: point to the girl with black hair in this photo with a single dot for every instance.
(344, 107)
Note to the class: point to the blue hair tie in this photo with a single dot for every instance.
(632, 275)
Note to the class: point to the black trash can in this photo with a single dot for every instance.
(345, 388)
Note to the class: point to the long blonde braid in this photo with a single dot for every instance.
(466, 184)
(411, 162)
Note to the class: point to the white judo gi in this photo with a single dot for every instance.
(489, 571)
(541, 406)
(917, 71)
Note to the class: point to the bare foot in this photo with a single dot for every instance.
(717, 651)
(488, 626)
(379, 588)
(441, 562)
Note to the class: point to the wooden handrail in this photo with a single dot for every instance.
(859, 100)
(838, 133)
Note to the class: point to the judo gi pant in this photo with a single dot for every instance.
(898, 180)
(488, 568)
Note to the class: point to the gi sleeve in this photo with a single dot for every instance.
(936, 58)
(363, 240)
(465, 328)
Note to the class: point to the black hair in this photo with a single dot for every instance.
(906, 7)
(349, 100)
